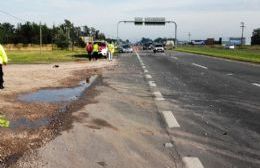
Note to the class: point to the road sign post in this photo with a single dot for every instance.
(150, 21)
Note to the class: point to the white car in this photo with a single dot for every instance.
(103, 48)
(229, 46)
(158, 48)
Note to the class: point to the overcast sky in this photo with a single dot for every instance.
(202, 18)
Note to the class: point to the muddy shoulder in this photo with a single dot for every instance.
(35, 123)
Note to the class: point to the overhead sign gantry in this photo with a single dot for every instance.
(149, 21)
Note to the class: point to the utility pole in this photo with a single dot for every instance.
(243, 29)
(189, 37)
(52, 38)
(41, 38)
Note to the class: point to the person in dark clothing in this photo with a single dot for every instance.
(1, 77)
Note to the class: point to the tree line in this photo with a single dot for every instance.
(63, 35)
(255, 39)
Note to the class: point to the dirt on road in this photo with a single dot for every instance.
(28, 119)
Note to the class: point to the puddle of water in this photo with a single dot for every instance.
(58, 95)
(51, 96)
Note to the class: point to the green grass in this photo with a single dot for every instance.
(32, 57)
(247, 54)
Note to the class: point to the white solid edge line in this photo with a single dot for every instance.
(256, 84)
(201, 66)
(170, 119)
(192, 162)
(175, 58)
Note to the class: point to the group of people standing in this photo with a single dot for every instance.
(93, 51)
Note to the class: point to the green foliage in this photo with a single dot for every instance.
(63, 35)
(255, 40)
(248, 54)
(32, 57)
(61, 40)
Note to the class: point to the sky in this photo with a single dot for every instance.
(202, 18)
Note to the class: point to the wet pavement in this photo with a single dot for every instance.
(35, 124)
(58, 95)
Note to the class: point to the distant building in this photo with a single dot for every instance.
(237, 41)
(210, 41)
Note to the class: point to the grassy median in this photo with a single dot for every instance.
(33, 57)
(247, 54)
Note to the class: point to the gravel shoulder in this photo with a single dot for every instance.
(20, 79)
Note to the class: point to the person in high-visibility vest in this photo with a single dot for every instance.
(111, 51)
(3, 61)
(95, 50)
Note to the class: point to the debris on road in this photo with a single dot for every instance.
(168, 145)
(4, 123)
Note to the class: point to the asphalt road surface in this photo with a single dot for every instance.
(216, 103)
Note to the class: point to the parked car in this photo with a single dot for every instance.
(198, 42)
(103, 48)
(147, 46)
(229, 46)
(120, 49)
(127, 49)
(158, 48)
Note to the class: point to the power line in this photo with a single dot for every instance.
(8, 14)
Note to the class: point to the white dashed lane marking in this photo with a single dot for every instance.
(230, 74)
(170, 119)
(192, 162)
(200, 66)
(256, 84)
(148, 76)
(158, 96)
(152, 84)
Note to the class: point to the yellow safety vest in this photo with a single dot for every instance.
(112, 48)
(95, 48)
(3, 56)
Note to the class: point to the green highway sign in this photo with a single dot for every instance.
(139, 21)
(154, 21)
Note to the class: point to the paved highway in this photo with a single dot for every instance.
(215, 104)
